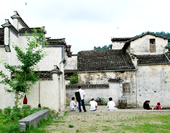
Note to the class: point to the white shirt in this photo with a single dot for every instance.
(93, 105)
(81, 93)
(111, 105)
(72, 105)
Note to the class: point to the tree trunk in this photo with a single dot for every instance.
(16, 99)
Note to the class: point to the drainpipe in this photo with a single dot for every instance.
(59, 92)
(63, 58)
(136, 88)
(39, 105)
(57, 71)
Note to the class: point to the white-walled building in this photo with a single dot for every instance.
(137, 68)
(50, 91)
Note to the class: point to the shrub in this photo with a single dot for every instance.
(74, 79)
(25, 107)
(35, 110)
(103, 101)
(7, 111)
(70, 126)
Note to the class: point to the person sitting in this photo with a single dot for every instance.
(146, 105)
(73, 104)
(93, 105)
(158, 106)
(111, 105)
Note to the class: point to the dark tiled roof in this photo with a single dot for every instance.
(54, 42)
(45, 75)
(30, 30)
(153, 59)
(17, 16)
(8, 24)
(129, 39)
(121, 39)
(104, 60)
(115, 80)
(87, 86)
(147, 33)
(1, 36)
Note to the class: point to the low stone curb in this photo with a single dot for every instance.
(32, 120)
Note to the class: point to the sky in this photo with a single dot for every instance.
(89, 23)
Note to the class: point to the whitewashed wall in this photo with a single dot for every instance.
(103, 77)
(52, 92)
(6, 99)
(114, 90)
(142, 45)
(71, 63)
(117, 45)
(49, 94)
(53, 57)
(153, 83)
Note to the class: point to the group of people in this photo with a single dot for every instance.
(80, 95)
(147, 106)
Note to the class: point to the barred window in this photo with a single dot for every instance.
(152, 45)
(126, 87)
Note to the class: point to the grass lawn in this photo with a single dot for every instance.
(125, 121)
(113, 122)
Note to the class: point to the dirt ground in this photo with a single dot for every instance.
(101, 120)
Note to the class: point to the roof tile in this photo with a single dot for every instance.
(153, 59)
(98, 60)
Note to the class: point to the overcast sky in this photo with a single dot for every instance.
(89, 23)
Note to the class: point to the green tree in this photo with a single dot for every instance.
(74, 79)
(23, 76)
(103, 47)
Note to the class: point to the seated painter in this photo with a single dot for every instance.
(158, 106)
(111, 105)
(93, 105)
(73, 104)
(146, 105)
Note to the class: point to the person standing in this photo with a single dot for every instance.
(82, 96)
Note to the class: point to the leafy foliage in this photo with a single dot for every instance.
(15, 113)
(102, 48)
(74, 79)
(103, 101)
(28, 58)
(9, 119)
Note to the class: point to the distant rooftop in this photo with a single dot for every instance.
(153, 59)
(104, 60)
